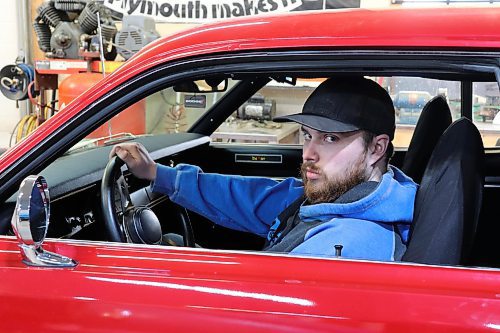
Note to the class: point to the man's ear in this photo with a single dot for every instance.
(378, 148)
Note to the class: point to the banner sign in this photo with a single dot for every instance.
(198, 11)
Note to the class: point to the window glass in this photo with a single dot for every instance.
(167, 111)
(410, 94)
(252, 122)
(486, 107)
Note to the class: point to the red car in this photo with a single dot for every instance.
(187, 91)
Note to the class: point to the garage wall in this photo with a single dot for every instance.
(9, 114)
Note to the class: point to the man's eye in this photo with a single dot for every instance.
(306, 136)
(331, 138)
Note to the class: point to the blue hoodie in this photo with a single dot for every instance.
(365, 228)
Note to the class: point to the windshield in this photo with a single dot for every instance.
(164, 112)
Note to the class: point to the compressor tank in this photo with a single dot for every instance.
(131, 120)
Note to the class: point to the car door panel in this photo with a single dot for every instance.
(130, 288)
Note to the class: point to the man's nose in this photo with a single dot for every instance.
(309, 152)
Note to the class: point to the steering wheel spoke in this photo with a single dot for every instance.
(126, 223)
(123, 194)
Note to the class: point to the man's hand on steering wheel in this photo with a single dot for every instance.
(137, 159)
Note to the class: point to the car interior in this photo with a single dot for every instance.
(223, 123)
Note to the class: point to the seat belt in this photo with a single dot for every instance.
(284, 222)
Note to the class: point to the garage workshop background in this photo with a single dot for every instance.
(150, 18)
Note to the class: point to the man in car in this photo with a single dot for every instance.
(350, 201)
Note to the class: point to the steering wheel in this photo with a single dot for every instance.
(126, 223)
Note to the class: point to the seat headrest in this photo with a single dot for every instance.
(433, 121)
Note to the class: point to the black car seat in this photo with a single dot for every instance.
(449, 199)
(433, 121)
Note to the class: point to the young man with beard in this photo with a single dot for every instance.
(350, 201)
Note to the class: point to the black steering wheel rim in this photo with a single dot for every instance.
(108, 206)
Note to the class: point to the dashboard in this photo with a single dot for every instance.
(74, 183)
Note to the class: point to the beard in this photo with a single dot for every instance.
(329, 189)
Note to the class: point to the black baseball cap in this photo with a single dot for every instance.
(345, 104)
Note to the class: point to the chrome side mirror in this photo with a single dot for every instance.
(31, 221)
